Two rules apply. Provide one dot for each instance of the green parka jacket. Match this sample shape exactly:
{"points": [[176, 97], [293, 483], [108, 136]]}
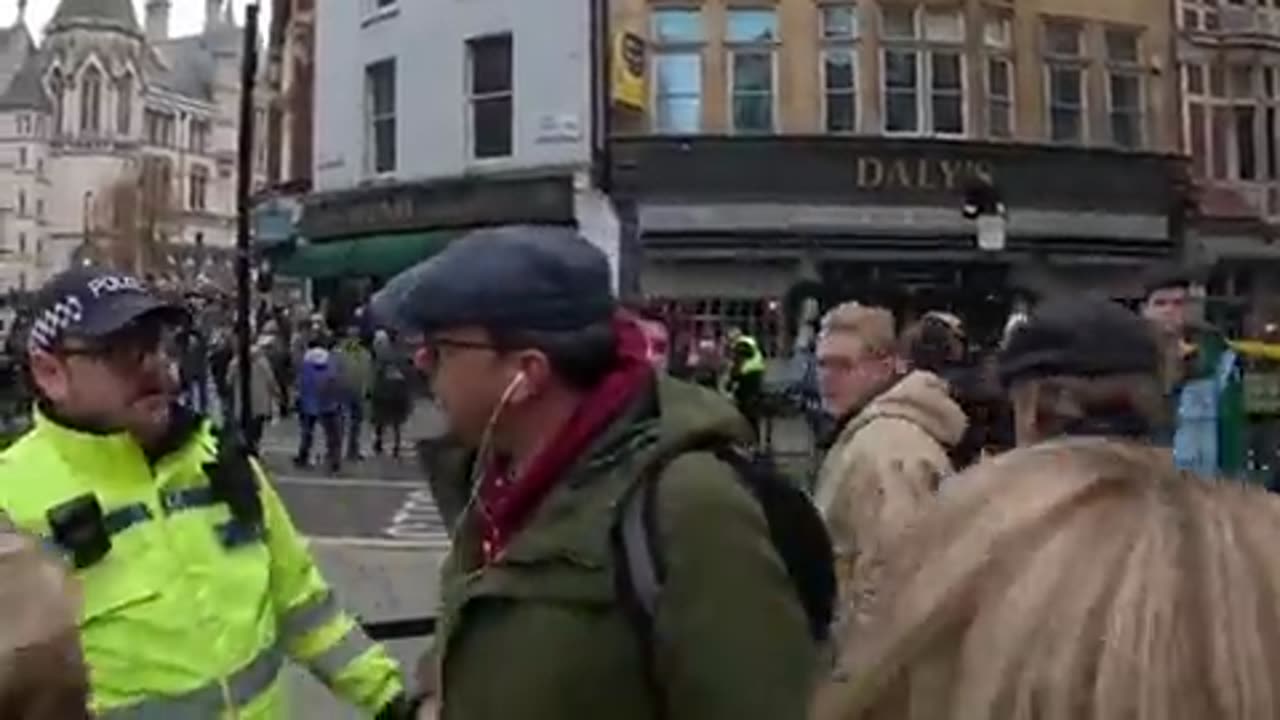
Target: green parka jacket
{"points": [[540, 634]]}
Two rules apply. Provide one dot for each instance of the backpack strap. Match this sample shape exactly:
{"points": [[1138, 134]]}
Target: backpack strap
{"points": [[640, 567]]}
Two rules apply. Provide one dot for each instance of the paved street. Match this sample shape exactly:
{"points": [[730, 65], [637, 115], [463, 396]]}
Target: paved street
{"points": [[376, 534]]}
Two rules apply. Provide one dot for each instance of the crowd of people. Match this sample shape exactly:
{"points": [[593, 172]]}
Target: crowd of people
{"points": [[622, 548]]}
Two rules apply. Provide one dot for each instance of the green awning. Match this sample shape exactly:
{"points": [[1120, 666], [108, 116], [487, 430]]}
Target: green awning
{"points": [[366, 256]]}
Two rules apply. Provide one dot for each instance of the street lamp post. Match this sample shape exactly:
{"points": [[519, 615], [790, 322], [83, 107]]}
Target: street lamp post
{"points": [[85, 210], [248, 73]]}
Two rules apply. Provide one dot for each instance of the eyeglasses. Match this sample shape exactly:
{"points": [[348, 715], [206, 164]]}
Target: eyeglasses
{"points": [[430, 349], [128, 347]]}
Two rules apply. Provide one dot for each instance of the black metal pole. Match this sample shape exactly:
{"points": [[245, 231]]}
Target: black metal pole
{"points": [[248, 73], [601, 52]]}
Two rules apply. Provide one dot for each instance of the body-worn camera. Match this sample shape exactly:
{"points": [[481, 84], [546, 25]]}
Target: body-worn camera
{"points": [[78, 526]]}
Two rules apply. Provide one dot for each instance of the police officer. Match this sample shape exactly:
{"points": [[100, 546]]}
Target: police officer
{"points": [[746, 376], [196, 584]]}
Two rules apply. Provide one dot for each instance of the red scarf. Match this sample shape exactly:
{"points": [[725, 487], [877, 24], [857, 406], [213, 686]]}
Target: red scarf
{"points": [[506, 503]]}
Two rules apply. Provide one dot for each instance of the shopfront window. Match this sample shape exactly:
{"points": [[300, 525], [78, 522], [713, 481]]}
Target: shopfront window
{"points": [[840, 68], [924, 88], [1124, 88], [997, 41], [676, 39], [1064, 68], [751, 36]]}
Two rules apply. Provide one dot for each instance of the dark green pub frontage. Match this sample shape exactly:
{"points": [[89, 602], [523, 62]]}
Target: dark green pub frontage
{"points": [[736, 231]]}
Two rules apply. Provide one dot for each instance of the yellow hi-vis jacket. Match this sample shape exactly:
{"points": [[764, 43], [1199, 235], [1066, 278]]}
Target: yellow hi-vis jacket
{"points": [[754, 362], [177, 622]]}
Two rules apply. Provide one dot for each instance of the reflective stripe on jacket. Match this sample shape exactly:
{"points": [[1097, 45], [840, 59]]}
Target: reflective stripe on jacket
{"points": [[754, 362], [176, 621]]}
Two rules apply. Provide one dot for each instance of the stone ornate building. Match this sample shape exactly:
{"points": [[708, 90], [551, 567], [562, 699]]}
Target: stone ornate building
{"points": [[103, 105]]}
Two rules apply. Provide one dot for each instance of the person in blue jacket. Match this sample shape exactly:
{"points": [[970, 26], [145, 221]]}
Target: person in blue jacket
{"points": [[320, 402]]}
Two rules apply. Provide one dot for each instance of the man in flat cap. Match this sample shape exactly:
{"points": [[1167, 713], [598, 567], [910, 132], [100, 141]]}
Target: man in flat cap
{"points": [[551, 390], [1083, 366]]}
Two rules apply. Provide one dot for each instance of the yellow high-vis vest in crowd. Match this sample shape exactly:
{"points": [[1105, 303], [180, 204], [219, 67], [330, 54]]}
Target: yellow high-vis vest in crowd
{"points": [[181, 620], [755, 361]]}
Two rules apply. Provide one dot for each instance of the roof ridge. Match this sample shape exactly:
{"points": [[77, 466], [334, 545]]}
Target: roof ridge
{"points": [[115, 13]]}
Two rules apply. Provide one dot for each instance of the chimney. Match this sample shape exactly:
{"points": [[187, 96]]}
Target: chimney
{"points": [[158, 20]]}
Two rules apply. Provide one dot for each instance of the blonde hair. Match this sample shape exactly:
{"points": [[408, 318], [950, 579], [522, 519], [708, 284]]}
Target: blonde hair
{"points": [[1083, 579], [873, 326]]}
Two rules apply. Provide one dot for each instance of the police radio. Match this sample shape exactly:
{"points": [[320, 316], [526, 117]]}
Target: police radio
{"points": [[79, 527]]}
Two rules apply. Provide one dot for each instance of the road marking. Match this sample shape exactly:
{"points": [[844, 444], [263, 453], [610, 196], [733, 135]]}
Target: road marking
{"points": [[418, 519], [322, 541], [347, 482]]}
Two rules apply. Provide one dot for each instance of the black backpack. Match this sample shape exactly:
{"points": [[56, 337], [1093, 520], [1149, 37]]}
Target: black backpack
{"points": [[796, 529]]}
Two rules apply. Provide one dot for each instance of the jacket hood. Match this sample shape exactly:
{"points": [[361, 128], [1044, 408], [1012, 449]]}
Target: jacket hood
{"points": [[689, 410], [921, 398]]}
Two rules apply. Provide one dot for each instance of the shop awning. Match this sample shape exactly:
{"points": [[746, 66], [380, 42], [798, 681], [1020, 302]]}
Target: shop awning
{"points": [[366, 256]]}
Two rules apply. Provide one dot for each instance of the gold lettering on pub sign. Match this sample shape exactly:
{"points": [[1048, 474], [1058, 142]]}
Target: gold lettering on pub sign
{"points": [[879, 173]]}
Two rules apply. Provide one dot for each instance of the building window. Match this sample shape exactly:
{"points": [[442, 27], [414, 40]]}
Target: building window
{"points": [[923, 71], [39, 208], [1246, 150], [751, 36], [22, 203], [22, 157], [840, 68], [23, 124], [1065, 68], [1124, 88], [1194, 79], [22, 243], [492, 96], [380, 116], [91, 100], [997, 39], [199, 188], [124, 105], [57, 98], [199, 130], [160, 128], [675, 35], [1269, 140]]}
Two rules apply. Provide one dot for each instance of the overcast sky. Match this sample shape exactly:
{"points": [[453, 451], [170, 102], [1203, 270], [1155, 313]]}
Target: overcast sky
{"points": [[187, 16]]}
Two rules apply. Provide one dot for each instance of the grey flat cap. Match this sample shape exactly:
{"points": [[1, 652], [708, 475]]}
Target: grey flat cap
{"points": [[516, 277]]}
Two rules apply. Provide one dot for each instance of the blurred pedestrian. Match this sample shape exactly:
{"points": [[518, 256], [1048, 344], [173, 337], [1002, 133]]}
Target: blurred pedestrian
{"points": [[1202, 376], [263, 392], [392, 395], [355, 363], [320, 402], [745, 381], [559, 411], [193, 367], [42, 670], [896, 425]]}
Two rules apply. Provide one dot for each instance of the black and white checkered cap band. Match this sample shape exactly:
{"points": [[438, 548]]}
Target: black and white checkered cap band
{"points": [[53, 322]]}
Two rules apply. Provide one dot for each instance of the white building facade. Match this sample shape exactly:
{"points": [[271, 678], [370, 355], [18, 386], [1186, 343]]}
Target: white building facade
{"points": [[416, 92], [103, 103]]}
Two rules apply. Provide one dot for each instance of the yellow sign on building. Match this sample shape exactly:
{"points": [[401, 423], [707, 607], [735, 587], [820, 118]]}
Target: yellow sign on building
{"points": [[629, 70]]}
